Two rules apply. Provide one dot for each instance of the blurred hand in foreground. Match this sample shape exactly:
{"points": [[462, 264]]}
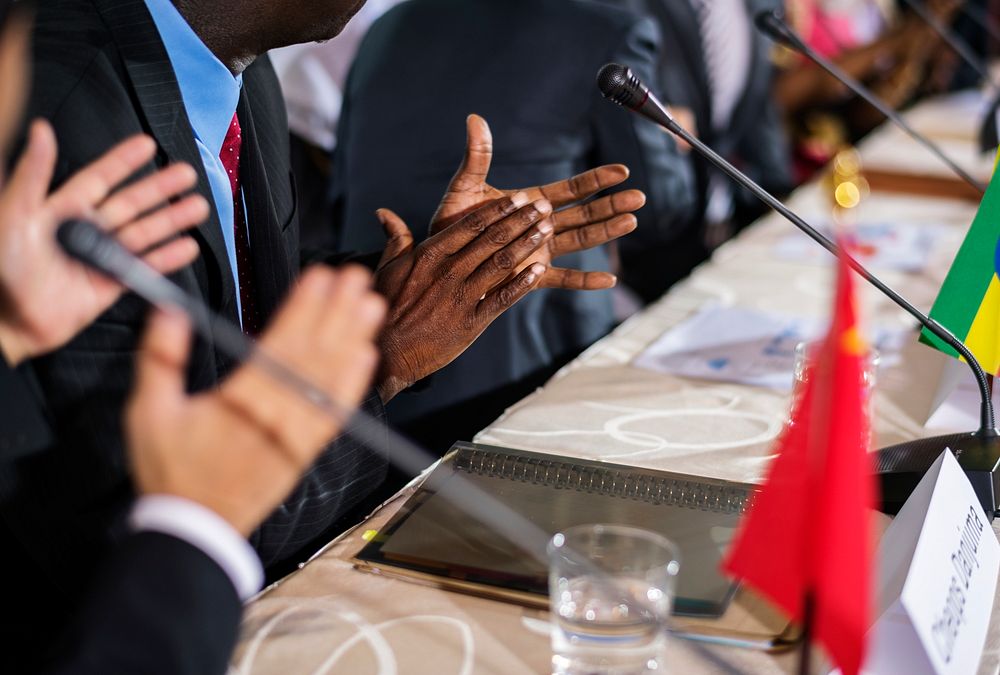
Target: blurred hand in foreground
{"points": [[239, 450]]}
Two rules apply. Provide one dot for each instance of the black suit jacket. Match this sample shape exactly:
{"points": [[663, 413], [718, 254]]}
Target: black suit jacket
{"points": [[23, 428], [101, 75], [528, 67], [161, 606]]}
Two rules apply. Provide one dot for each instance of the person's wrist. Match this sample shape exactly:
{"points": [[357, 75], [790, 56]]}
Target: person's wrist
{"points": [[394, 375], [236, 517]]}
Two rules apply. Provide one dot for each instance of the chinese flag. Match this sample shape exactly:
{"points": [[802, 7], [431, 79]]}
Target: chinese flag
{"points": [[807, 531]]}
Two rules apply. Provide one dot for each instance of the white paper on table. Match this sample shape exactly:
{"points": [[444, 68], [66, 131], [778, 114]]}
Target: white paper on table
{"points": [[904, 247], [741, 345]]}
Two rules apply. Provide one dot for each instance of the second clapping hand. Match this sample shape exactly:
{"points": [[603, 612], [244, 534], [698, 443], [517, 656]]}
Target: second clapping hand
{"points": [[48, 297]]}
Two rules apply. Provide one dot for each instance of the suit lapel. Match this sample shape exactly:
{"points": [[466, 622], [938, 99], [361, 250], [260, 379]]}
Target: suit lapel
{"points": [[271, 265], [159, 96]]}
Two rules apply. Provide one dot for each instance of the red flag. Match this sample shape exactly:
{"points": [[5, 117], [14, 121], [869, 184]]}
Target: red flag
{"points": [[807, 531]]}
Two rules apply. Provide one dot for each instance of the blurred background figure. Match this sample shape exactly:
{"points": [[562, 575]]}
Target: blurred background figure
{"points": [[312, 77], [886, 46], [528, 67], [715, 63]]}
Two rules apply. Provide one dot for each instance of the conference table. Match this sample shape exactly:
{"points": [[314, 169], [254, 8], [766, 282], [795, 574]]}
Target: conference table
{"points": [[329, 617]]}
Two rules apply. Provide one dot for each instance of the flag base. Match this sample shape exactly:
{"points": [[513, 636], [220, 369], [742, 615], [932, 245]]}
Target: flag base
{"points": [[900, 467]]}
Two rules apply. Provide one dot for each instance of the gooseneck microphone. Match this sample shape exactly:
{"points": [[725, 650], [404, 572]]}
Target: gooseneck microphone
{"points": [[951, 38], [901, 466], [770, 22], [88, 244]]}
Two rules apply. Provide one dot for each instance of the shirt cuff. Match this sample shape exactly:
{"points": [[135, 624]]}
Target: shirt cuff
{"points": [[205, 530]]}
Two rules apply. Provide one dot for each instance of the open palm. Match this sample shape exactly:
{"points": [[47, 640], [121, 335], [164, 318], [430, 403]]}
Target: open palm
{"points": [[46, 297]]}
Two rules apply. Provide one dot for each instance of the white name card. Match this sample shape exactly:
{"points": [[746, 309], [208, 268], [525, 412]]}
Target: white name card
{"points": [[938, 567]]}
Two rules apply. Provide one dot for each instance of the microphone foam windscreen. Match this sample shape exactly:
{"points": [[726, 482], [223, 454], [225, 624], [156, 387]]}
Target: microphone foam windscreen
{"points": [[618, 83]]}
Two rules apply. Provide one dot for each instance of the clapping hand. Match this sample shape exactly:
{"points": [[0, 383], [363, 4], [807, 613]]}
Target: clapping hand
{"points": [[241, 448], [45, 297], [577, 226], [487, 249]]}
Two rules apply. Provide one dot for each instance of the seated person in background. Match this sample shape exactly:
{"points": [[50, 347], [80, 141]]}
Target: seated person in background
{"points": [[312, 80], [715, 63], [823, 115], [210, 467], [189, 74], [529, 67]]}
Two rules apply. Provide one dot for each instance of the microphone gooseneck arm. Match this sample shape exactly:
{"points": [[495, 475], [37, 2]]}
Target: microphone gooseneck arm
{"points": [[772, 25], [618, 84], [957, 44]]}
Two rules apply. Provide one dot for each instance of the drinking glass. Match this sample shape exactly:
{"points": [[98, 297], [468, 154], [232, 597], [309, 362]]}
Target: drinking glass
{"points": [[805, 352], [611, 589]]}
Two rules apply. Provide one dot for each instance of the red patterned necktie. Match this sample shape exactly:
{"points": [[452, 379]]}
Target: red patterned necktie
{"points": [[230, 157]]}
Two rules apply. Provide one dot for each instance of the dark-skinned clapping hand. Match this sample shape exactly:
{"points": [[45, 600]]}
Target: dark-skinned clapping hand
{"points": [[487, 249]]}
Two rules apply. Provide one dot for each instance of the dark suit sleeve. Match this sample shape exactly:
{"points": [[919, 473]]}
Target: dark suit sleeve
{"points": [[23, 428], [657, 167], [161, 606]]}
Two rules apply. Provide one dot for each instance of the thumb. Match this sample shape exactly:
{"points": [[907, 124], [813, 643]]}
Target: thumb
{"points": [[162, 361], [399, 239], [478, 156], [33, 172]]}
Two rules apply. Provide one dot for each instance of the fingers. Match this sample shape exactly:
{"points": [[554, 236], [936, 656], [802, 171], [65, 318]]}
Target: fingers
{"points": [[471, 175], [502, 298], [92, 184], [163, 224], [604, 208], [351, 314], [503, 245], [465, 231], [356, 316], [504, 263], [589, 236], [132, 201], [299, 316], [162, 361], [33, 174], [577, 280], [325, 332], [399, 239], [581, 186], [173, 256]]}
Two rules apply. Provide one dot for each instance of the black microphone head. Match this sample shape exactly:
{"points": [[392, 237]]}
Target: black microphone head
{"points": [[771, 22], [619, 84], [78, 238], [89, 244]]}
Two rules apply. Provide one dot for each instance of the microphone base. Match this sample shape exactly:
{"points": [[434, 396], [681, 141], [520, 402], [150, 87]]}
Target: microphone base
{"points": [[901, 467]]}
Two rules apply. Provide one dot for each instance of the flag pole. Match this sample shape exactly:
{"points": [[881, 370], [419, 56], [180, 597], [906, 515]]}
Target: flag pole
{"points": [[809, 611]]}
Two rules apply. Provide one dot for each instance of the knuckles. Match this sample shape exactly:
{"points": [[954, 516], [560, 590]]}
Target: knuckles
{"points": [[504, 261]]}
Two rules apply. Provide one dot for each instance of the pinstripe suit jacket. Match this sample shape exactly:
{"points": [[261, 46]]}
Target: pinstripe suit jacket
{"points": [[101, 75]]}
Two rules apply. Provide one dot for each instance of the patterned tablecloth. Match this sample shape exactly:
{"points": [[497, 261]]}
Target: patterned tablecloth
{"points": [[330, 618]]}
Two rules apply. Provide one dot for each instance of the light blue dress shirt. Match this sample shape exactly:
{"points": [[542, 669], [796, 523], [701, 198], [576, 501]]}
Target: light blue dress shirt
{"points": [[211, 94]]}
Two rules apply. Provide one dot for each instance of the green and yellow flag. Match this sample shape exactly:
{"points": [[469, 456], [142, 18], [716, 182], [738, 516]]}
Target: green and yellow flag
{"points": [[969, 301]]}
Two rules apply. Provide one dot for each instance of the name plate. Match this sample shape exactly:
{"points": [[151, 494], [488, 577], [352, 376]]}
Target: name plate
{"points": [[938, 567]]}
